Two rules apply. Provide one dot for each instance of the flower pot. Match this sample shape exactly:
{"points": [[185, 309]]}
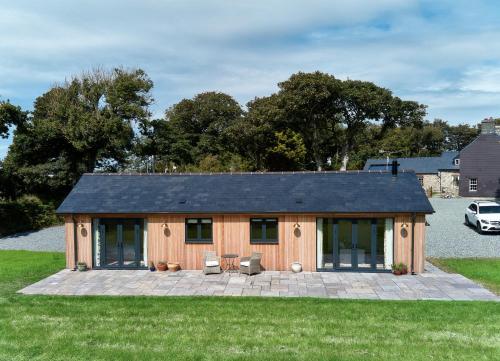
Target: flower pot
{"points": [[397, 273], [296, 267], [82, 267], [161, 267], [174, 266], [152, 268]]}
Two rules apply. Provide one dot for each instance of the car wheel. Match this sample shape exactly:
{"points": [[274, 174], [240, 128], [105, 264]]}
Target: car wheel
{"points": [[467, 223], [479, 230]]}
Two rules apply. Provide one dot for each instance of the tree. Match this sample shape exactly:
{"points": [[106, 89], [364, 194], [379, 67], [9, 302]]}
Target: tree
{"points": [[84, 124], [459, 136], [200, 126], [287, 152], [253, 134], [10, 115], [310, 106], [364, 102]]}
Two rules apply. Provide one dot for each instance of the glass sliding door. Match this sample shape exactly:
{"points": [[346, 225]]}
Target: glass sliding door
{"points": [[352, 244], [364, 243], [343, 238], [119, 243], [324, 249]]}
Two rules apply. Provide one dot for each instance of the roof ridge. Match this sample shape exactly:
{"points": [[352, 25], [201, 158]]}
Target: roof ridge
{"points": [[360, 171]]}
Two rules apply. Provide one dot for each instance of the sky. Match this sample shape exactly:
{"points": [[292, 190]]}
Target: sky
{"points": [[445, 54]]}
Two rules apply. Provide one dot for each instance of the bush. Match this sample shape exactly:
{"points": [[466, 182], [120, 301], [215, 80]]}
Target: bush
{"points": [[25, 214]]}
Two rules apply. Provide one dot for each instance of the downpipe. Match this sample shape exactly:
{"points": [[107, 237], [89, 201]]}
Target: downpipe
{"points": [[413, 219], [75, 243]]}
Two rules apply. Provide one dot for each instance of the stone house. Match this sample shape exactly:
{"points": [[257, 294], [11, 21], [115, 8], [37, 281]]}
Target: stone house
{"points": [[436, 174], [480, 163]]}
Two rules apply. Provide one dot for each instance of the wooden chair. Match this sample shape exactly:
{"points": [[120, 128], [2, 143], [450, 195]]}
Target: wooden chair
{"points": [[251, 265]]}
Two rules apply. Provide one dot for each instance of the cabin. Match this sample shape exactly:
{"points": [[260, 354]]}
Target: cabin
{"points": [[327, 221], [437, 175]]}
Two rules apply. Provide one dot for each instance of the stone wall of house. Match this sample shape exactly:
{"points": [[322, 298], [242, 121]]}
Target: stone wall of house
{"points": [[449, 182], [431, 181]]}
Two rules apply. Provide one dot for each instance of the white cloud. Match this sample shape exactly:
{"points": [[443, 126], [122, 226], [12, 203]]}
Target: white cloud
{"points": [[483, 79]]}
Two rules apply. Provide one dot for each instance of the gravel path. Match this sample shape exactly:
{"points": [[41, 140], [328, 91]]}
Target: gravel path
{"points": [[48, 239], [448, 236]]}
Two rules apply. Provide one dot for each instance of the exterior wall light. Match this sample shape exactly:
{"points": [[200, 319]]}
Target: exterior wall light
{"points": [[296, 225], [164, 225]]}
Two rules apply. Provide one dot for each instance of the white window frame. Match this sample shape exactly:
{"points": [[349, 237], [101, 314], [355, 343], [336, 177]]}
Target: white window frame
{"points": [[457, 161], [472, 184]]}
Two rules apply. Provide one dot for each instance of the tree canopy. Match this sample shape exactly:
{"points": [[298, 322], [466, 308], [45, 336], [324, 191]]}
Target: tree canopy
{"points": [[100, 121], [78, 126]]}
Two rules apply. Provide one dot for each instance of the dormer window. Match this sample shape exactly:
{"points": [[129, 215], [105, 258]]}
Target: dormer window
{"points": [[456, 161]]}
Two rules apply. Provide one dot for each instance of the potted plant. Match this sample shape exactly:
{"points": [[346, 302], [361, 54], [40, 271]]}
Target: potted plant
{"points": [[82, 266], [399, 269], [152, 267], [174, 266], [161, 266]]}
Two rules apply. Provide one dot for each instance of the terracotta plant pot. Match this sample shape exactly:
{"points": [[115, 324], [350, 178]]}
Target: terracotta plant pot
{"points": [[397, 273], [161, 266], [174, 266]]}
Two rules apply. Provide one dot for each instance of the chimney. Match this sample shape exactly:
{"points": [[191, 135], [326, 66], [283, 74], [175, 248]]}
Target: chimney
{"points": [[488, 126], [395, 168]]}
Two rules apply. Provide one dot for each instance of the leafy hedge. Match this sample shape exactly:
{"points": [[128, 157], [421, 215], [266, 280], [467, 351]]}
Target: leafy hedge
{"points": [[25, 214]]}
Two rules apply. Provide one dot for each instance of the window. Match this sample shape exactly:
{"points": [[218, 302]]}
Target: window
{"points": [[489, 210], [473, 185], [456, 180], [457, 161], [421, 180], [473, 207], [263, 230], [199, 230]]}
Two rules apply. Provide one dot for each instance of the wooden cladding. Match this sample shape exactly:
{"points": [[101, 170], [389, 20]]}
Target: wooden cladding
{"points": [[83, 226], [231, 234]]}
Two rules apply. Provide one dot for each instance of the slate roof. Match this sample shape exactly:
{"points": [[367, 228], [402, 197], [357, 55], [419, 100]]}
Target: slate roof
{"points": [[418, 164], [306, 192]]}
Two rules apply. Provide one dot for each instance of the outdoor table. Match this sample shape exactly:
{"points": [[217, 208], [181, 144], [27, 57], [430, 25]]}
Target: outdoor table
{"points": [[229, 262]]}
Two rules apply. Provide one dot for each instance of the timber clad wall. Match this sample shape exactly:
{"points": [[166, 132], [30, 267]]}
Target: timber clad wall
{"points": [[231, 234], [84, 240]]}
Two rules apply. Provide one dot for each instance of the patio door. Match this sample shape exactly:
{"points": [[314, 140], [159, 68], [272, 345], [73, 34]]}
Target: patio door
{"points": [[121, 243], [363, 244]]}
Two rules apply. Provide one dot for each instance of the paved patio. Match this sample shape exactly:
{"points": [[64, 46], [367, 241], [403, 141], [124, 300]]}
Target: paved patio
{"points": [[433, 284]]}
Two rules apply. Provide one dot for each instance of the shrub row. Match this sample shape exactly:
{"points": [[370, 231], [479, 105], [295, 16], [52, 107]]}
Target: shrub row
{"points": [[25, 214]]}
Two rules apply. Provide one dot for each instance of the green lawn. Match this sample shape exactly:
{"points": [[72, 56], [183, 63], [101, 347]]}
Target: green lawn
{"points": [[148, 328], [483, 270]]}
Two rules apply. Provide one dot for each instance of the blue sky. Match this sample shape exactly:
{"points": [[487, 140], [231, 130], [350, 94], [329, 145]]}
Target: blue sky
{"points": [[445, 54]]}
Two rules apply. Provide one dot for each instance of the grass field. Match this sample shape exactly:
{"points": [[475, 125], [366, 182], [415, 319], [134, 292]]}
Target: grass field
{"points": [[483, 270], [149, 328]]}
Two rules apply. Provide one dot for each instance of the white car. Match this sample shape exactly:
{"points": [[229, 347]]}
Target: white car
{"points": [[483, 215]]}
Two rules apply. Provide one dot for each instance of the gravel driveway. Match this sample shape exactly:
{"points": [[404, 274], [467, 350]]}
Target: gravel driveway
{"points": [[448, 236], [48, 239]]}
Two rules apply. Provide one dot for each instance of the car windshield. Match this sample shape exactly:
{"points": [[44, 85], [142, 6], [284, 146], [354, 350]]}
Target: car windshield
{"points": [[489, 209]]}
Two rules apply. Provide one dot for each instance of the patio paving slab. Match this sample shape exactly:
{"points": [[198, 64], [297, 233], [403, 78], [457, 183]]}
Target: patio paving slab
{"points": [[433, 284]]}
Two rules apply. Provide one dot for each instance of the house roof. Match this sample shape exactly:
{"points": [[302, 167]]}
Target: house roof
{"points": [[418, 164], [307, 192]]}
